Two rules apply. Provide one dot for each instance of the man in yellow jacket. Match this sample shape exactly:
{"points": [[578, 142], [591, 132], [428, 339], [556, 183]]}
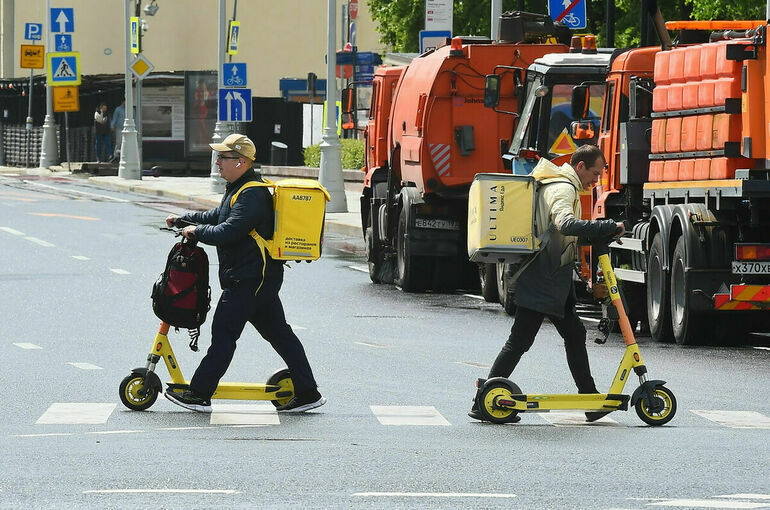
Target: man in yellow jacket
{"points": [[545, 287]]}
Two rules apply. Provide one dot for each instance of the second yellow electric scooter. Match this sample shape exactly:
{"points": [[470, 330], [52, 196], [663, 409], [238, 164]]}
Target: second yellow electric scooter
{"points": [[500, 400]]}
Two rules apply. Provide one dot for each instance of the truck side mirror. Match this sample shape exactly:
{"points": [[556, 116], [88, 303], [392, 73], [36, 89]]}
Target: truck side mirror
{"points": [[580, 102], [491, 91], [583, 130]]}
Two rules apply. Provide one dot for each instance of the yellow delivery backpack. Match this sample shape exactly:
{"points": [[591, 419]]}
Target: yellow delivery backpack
{"points": [[299, 206]]}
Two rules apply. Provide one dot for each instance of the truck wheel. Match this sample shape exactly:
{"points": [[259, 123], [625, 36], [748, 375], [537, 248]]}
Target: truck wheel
{"points": [[412, 271], [689, 328], [380, 267], [658, 310], [488, 281]]}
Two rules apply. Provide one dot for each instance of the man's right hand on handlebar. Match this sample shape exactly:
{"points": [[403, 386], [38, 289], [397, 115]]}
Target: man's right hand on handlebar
{"points": [[171, 220]]}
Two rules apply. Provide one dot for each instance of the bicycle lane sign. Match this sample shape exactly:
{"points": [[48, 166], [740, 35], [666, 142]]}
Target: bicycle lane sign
{"points": [[570, 12]]}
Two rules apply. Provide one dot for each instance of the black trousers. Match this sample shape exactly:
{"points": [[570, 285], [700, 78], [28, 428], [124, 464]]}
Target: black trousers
{"points": [[526, 324], [236, 307]]}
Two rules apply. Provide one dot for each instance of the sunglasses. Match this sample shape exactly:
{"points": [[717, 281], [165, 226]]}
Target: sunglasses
{"points": [[219, 156]]}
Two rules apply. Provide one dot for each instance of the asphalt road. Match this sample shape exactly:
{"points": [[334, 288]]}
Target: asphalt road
{"points": [[78, 264]]}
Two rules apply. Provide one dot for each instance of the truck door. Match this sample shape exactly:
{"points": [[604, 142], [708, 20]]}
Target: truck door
{"points": [[371, 131]]}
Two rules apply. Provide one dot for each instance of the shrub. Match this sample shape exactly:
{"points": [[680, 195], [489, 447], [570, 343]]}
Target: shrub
{"points": [[352, 154]]}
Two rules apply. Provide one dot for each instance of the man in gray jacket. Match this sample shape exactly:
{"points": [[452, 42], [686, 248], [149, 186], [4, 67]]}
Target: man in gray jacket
{"points": [[545, 287]]}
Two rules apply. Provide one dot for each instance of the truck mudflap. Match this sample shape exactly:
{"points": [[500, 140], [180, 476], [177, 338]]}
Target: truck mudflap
{"points": [[744, 297]]}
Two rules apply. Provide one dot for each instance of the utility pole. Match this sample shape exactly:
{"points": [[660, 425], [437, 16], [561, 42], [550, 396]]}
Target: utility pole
{"points": [[330, 174], [221, 129], [129, 148], [497, 11], [49, 149]]}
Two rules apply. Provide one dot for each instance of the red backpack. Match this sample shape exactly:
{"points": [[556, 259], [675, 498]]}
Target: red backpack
{"points": [[181, 296]]}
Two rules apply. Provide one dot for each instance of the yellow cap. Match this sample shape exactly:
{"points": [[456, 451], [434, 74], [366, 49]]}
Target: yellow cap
{"points": [[236, 143]]}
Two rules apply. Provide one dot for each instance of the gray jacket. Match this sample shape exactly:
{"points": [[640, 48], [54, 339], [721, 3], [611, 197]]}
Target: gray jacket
{"points": [[546, 283]]}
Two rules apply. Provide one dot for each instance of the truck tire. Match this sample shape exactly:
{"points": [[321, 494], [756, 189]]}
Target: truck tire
{"points": [[658, 285], [688, 327], [488, 281], [413, 273]]}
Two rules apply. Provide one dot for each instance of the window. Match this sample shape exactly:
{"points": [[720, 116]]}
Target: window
{"points": [[373, 104], [607, 115]]}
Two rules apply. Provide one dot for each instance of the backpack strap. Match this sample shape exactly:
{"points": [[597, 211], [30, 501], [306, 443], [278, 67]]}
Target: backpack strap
{"points": [[261, 243]]}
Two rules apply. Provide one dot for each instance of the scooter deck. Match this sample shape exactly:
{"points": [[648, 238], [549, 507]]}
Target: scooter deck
{"points": [[553, 402], [240, 391]]}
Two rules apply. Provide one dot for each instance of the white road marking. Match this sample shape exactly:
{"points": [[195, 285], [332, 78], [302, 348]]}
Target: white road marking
{"points": [[473, 364], [76, 191], [26, 345], [244, 414], [84, 365], [474, 296], [762, 348], [360, 268], [708, 503], [745, 496], [80, 257], [72, 413], [42, 243], [371, 344], [296, 328], [409, 415], [12, 231], [162, 491], [575, 419], [119, 271], [102, 432], [45, 435], [433, 495], [185, 428], [737, 419]]}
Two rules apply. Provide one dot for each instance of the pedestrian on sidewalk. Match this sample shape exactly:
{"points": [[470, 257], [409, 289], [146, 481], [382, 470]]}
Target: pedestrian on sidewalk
{"points": [[102, 133], [116, 126], [247, 295], [545, 287]]}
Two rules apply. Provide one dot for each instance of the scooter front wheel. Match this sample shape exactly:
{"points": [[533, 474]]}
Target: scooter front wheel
{"points": [[132, 396], [282, 378], [495, 390], [661, 410]]}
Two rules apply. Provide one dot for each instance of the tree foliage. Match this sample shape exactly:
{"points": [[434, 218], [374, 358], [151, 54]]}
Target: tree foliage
{"points": [[400, 21]]}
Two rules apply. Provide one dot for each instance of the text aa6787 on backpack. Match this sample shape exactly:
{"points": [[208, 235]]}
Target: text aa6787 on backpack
{"points": [[181, 296]]}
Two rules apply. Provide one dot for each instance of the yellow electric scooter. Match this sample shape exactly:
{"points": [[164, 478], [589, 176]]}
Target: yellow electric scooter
{"points": [[500, 400], [139, 390]]}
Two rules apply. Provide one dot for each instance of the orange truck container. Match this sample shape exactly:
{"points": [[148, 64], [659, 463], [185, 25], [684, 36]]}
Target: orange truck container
{"points": [[690, 175], [428, 135]]}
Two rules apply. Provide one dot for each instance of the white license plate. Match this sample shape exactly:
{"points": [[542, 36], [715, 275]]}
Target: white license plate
{"points": [[751, 267], [437, 223]]}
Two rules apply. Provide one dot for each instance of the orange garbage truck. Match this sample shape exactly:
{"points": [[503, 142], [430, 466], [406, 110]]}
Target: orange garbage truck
{"points": [[684, 133], [428, 135]]}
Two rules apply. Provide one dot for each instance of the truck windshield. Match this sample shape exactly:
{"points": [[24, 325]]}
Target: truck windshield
{"points": [[560, 118], [525, 136]]}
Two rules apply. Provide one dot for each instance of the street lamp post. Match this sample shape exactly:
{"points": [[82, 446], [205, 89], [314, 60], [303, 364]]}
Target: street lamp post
{"points": [[129, 148], [221, 129], [49, 149], [330, 174]]}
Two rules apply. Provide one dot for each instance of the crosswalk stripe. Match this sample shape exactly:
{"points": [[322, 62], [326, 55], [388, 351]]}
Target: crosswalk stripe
{"points": [[12, 231], [40, 242], [736, 419], [244, 414], [708, 503], [84, 365], [80, 257], [74, 413], [409, 415], [119, 271], [575, 419], [26, 345]]}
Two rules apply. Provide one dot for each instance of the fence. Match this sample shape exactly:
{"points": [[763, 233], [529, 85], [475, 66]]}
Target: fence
{"points": [[14, 140]]}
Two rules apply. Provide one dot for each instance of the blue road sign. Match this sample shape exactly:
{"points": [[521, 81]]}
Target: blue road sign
{"points": [[432, 39], [570, 12], [62, 19], [33, 31], [63, 42], [235, 105], [234, 74]]}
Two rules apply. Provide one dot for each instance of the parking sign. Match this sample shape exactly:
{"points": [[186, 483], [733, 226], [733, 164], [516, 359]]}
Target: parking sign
{"points": [[33, 31]]}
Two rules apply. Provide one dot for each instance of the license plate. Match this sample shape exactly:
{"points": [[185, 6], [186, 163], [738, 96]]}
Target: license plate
{"points": [[437, 223], [751, 267]]}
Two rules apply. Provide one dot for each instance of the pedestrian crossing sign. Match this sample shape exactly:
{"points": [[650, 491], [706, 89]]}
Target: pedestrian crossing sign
{"points": [[64, 68]]}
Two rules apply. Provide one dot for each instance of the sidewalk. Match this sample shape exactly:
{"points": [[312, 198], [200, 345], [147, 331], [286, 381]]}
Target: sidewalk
{"points": [[198, 190]]}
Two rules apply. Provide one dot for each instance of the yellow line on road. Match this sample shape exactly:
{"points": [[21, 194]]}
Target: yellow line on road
{"points": [[58, 215]]}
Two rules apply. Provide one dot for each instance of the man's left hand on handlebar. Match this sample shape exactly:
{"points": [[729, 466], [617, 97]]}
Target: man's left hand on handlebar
{"points": [[171, 220], [189, 232]]}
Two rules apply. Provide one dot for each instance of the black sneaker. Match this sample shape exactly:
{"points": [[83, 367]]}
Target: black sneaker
{"points": [[190, 400], [303, 402], [592, 416]]}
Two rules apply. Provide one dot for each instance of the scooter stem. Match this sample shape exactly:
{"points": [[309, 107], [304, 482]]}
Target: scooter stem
{"points": [[612, 285]]}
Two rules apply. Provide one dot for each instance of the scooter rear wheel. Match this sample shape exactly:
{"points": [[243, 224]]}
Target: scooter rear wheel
{"points": [[660, 411], [493, 391], [282, 378], [129, 389]]}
